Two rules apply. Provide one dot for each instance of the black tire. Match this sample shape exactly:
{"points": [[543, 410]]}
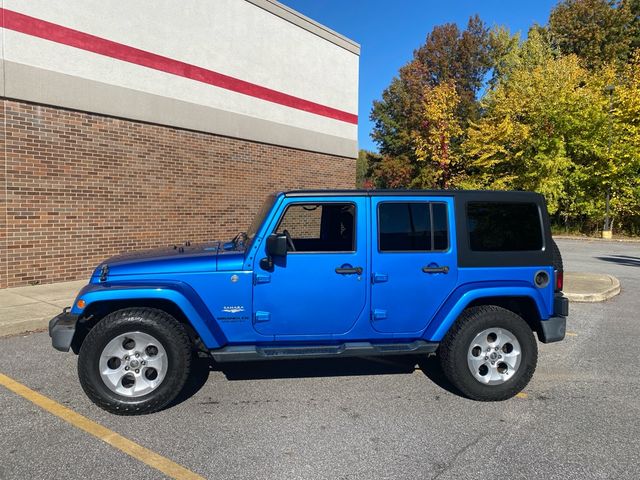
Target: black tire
{"points": [[157, 323], [455, 347], [557, 257]]}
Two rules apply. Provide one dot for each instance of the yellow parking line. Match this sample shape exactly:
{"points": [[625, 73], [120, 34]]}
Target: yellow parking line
{"points": [[114, 439], [522, 395], [571, 334]]}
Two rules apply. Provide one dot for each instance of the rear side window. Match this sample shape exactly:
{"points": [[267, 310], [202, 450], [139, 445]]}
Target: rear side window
{"points": [[412, 227], [504, 227]]}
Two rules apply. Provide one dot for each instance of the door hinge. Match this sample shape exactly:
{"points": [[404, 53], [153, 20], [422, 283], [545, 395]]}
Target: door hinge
{"points": [[379, 278], [378, 314], [261, 317], [261, 278]]}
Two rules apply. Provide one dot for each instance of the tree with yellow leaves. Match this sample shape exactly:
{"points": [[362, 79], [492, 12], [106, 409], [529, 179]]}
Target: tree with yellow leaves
{"points": [[554, 127], [624, 156], [432, 141], [557, 113], [539, 123]]}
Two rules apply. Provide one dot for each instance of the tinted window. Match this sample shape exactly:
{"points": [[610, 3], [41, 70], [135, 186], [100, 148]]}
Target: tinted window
{"points": [[504, 227], [320, 227], [407, 227], [440, 226]]}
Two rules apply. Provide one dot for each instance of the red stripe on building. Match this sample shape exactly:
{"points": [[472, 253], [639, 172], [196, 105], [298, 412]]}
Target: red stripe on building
{"points": [[85, 41]]}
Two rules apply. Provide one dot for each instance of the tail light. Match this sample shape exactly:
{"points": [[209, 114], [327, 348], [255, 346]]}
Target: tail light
{"points": [[559, 280]]}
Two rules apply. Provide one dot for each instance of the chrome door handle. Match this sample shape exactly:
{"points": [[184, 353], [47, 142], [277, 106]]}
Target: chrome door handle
{"points": [[444, 269]]}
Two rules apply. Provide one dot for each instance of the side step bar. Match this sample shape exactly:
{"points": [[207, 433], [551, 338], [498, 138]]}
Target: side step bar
{"points": [[240, 353]]}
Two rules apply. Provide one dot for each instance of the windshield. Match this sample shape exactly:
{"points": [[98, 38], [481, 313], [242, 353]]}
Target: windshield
{"points": [[259, 218]]}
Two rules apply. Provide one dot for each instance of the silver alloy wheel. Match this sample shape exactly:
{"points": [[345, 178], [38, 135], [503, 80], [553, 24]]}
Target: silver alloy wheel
{"points": [[133, 364], [494, 356]]}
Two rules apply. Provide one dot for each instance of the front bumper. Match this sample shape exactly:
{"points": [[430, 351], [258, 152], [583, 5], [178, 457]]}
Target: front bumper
{"points": [[62, 328]]}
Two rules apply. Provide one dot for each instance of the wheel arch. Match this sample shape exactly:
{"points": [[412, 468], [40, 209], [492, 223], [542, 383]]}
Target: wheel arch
{"points": [[523, 306], [184, 306], [96, 311], [523, 300]]}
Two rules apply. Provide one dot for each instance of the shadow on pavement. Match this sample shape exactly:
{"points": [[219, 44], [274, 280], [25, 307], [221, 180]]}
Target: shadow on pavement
{"points": [[200, 369], [332, 367], [430, 366], [625, 260]]}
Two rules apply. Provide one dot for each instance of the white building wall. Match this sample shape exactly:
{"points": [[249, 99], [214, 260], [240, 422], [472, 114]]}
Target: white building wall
{"points": [[169, 62]]}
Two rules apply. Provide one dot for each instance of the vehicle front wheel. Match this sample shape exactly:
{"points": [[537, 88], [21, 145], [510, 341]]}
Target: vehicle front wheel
{"points": [[489, 354], [134, 361]]}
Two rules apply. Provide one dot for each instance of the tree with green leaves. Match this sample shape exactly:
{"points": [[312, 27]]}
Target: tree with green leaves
{"points": [[509, 53], [633, 9], [362, 168], [623, 172], [597, 31], [533, 121], [553, 128]]}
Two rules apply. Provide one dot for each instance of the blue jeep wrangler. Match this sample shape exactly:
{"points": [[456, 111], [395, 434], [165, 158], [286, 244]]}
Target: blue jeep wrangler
{"points": [[466, 275]]}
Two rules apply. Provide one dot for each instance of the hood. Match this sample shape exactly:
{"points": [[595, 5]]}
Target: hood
{"points": [[183, 259]]}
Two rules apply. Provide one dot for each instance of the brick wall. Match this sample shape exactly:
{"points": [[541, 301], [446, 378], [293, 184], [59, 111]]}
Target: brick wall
{"points": [[81, 187], [3, 204]]}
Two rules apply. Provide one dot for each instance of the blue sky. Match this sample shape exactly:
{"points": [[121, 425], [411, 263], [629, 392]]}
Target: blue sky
{"points": [[389, 31]]}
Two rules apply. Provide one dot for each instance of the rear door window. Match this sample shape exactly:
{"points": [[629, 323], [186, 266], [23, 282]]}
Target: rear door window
{"points": [[412, 227], [504, 227]]}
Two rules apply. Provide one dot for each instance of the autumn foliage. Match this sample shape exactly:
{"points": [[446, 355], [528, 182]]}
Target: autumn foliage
{"points": [[557, 112]]}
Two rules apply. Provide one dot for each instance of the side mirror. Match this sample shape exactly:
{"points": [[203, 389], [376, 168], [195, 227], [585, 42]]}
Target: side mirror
{"points": [[277, 245]]}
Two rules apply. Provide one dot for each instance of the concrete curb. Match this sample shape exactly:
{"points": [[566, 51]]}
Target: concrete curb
{"points": [[24, 327], [26, 324], [609, 287], [596, 239]]}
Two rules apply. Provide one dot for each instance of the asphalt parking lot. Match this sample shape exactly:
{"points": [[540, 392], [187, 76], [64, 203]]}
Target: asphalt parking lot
{"points": [[361, 418]]}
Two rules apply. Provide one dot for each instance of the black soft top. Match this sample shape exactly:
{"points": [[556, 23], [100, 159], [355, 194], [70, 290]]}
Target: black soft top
{"points": [[502, 195]]}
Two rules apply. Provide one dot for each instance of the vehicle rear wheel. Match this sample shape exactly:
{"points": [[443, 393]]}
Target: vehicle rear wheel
{"points": [[134, 361], [489, 354]]}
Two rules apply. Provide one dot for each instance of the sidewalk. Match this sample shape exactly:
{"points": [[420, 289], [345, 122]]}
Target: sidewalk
{"points": [[590, 287], [26, 309]]}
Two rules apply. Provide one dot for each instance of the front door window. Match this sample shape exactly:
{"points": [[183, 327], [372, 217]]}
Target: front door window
{"points": [[318, 227]]}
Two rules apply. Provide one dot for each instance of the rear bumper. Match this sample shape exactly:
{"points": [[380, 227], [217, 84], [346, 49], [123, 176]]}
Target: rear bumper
{"points": [[560, 305], [62, 328]]}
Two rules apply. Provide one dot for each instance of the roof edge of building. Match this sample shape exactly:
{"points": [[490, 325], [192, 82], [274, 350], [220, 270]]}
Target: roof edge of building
{"points": [[302, 21]]}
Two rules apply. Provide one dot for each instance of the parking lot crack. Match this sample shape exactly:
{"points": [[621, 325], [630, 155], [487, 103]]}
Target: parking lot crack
{"points": [[444, 468]]}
